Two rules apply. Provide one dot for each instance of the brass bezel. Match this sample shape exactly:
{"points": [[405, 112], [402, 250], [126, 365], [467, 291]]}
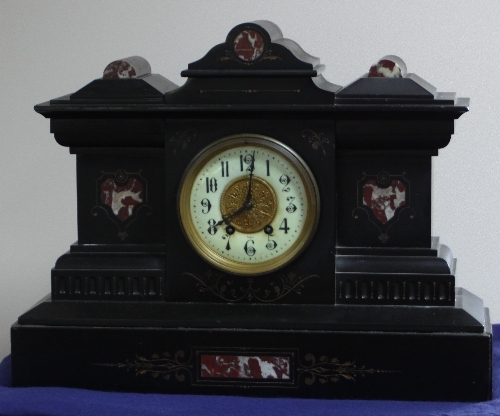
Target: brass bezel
{"points": [[214, 258]]}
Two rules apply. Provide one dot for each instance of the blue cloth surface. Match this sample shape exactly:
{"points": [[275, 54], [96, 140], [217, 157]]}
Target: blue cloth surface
{"points": [[67, 402]]}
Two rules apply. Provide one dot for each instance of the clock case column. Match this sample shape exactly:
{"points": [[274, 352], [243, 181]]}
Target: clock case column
{"points": [[116, 130], [387, 132]]}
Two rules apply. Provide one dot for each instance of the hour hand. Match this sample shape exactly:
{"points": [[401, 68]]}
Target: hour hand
{"points": [[226, 218]]}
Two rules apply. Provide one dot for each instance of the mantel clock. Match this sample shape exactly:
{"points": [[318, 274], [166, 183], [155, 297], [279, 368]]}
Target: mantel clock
{"points": [[257, 230]]}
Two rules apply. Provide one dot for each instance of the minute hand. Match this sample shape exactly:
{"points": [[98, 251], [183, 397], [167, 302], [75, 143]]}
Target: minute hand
{"points": [[249, 193], [247, 205]]}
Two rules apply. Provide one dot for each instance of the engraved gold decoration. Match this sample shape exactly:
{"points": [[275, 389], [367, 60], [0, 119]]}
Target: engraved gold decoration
{"points": [[317, 140], [264, 204], [230, 56], [175, 368], [326, 369], [156, 366], [241, 289], [181, 140]]}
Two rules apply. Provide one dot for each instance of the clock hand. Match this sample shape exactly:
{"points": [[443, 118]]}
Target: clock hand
{"points": [[247, 205], [252, 167], [226, 218]]}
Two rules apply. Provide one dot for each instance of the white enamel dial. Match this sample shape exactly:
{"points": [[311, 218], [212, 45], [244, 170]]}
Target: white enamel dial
{"points": [[248, 204]]}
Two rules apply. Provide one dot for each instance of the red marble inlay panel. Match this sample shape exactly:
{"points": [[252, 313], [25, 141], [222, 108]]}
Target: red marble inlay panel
{"points": [[248, 45], [122, 199], [244, 366], [384, 201]]}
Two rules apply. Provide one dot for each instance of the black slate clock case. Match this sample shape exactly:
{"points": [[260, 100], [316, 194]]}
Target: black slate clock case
{"points": [[368, 310]]}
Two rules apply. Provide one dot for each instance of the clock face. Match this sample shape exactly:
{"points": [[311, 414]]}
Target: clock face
{"points": [[248, 204]]}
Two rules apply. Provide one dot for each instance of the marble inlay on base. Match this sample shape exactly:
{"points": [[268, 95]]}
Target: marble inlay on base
{"points": [[242, 366]]}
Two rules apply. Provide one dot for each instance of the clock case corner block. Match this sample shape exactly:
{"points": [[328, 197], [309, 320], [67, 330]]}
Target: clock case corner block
{"points": [[368, 311]]}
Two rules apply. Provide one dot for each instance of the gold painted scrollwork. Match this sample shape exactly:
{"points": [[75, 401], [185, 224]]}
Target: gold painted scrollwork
{"points": [[238, 289], [230, 56], [164, 366], [181, 140], [318, 141], [325, 369]]}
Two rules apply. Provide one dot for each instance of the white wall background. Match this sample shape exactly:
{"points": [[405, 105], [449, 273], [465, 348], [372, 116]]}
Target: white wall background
{"points": [[53, 47]]}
